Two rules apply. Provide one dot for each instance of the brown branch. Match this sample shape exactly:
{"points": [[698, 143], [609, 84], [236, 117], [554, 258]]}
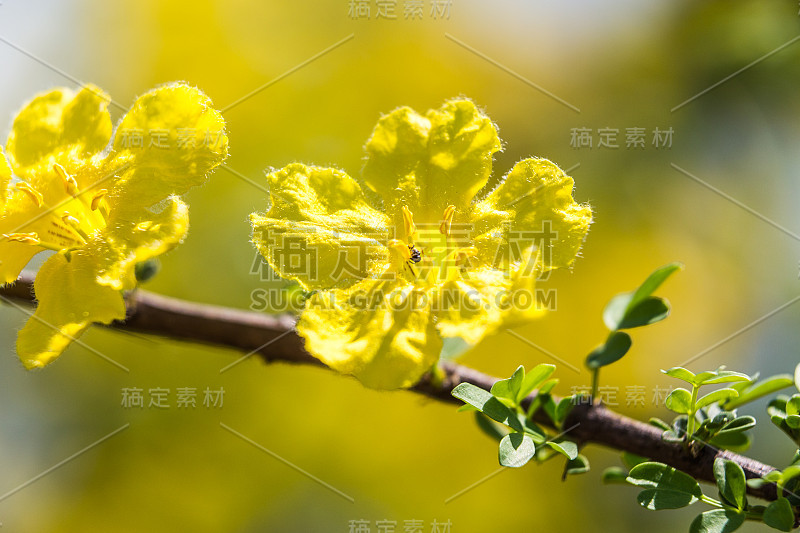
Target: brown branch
{"points": [[274, 339]]}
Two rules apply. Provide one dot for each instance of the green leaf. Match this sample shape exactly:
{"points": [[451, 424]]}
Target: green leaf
{"points": [[680, 373], [653, 282], [533, 378], [614, 312], [679, 401], [467, 408], [735, 441], [706, 378], [649, 311], [717, 396], [658, 499], [779, 515], [759, 390], [739, 424], [548, 386], [617, 344], [659, 476], [619, 314], [487, 404], [567, 448], [657, 422], [793, 405], [717, 521], [515, 450], [488, 427], [579, 465], [777, 407], [789, 473], [724, 376], [509, 388], [563, 408], [614, 475], [731, 482]]}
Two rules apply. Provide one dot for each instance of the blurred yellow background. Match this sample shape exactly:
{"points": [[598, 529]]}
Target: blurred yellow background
{"points": [[623, 64]]}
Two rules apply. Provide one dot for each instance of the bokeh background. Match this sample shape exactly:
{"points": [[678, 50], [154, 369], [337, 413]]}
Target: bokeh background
{"points": [[622, 63]]}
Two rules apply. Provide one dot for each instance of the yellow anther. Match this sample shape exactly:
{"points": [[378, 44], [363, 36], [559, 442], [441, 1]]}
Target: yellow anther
{"points": [[70, 185], [25, 238], [447, 220], [97, 198], [409, 226], [401, 248], [70, 220], [34, 195], [75, 224]]}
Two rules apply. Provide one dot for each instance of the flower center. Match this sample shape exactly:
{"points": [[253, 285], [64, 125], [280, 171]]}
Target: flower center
{"points": [[66, 225], [431, 254]]}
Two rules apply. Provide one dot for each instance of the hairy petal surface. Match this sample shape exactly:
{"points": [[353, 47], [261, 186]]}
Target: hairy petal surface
{"points": [[381, 332], [169, 142], [70, 299], [533, 206], [429, 162], [320, 230]]}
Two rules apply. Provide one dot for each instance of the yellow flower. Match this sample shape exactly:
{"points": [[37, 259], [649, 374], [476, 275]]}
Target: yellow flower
{"points": [[435, 261], [101, 208]]}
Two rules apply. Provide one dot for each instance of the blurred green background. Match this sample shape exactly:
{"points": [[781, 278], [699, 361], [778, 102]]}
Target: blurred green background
{"points": [[624, 64]]}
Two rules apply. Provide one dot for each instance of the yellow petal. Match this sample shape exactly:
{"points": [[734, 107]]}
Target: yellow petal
{"points": [[172, 138], [380, 332], [472, 306], [427, 163], [59, 121], [128, 242], [21, 215], [523, 301], [13, 258], [70, 299], [320, 231], [5, 179], [532, 206]]}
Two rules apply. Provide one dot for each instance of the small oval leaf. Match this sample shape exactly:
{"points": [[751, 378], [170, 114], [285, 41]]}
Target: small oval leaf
{"points": [[717, 396], [660, 476], [566, 448], [533, 379], [779, 515], [680, 373], [649, 311], [515, 450], [615, 347], [759, 390], [679, 401], [579, 465], [717, 521], [731, 482]]}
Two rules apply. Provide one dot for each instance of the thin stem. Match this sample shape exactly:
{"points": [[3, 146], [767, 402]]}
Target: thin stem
{"points": [[595, 383], [692, 421]]}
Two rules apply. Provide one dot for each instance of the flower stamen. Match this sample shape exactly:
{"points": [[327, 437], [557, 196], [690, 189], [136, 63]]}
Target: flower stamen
{"points": [[70, 185], [34, 195], [447, 220], [75, 224], [409, 226]]}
